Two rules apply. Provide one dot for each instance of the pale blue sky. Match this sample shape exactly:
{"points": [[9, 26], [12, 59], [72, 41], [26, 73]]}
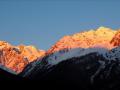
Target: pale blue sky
{"points": [[42, 23]]}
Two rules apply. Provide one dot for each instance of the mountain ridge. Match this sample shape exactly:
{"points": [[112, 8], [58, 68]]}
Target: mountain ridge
{"points": [[87, 60], [86, 39], [18, 57]]}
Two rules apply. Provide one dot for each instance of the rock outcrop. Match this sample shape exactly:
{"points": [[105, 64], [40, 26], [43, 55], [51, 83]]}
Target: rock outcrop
{"points": [[116, 39], [31, 52]]}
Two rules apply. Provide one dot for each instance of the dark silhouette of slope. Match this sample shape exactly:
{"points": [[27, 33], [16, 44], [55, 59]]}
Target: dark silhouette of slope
{"points": [[90, 71], [4, 75], [79, 72]]}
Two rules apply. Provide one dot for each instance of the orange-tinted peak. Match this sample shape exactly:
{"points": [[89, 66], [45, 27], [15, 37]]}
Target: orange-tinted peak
{"points": [[100, 37], [17, 57]]}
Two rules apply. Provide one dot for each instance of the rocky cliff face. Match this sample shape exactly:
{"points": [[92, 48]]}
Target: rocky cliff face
{"points": [[17, 57], [93, 38], [116, 39]]}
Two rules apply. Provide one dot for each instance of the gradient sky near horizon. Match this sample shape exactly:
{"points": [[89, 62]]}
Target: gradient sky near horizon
{"points": [[42, 23]]}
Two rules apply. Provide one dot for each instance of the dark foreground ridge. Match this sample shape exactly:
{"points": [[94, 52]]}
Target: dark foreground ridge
{"points": [[83, 72], [87, 72], [4, 75]]}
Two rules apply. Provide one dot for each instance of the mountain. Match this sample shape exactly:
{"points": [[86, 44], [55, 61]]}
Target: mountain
{"points": [[17, 57], [78, 44], [87, 60]]}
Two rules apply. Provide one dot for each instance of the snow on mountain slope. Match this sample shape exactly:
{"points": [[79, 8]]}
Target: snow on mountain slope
{"points": [[56, 58], [89, 69], [96, 67], [78, 52], [113, 54]]}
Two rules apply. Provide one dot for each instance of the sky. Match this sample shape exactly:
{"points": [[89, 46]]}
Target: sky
{"points": [[42, 23]]}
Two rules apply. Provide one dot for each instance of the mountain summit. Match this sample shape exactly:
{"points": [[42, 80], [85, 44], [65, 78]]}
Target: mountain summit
{"points": [[92, 38]]}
